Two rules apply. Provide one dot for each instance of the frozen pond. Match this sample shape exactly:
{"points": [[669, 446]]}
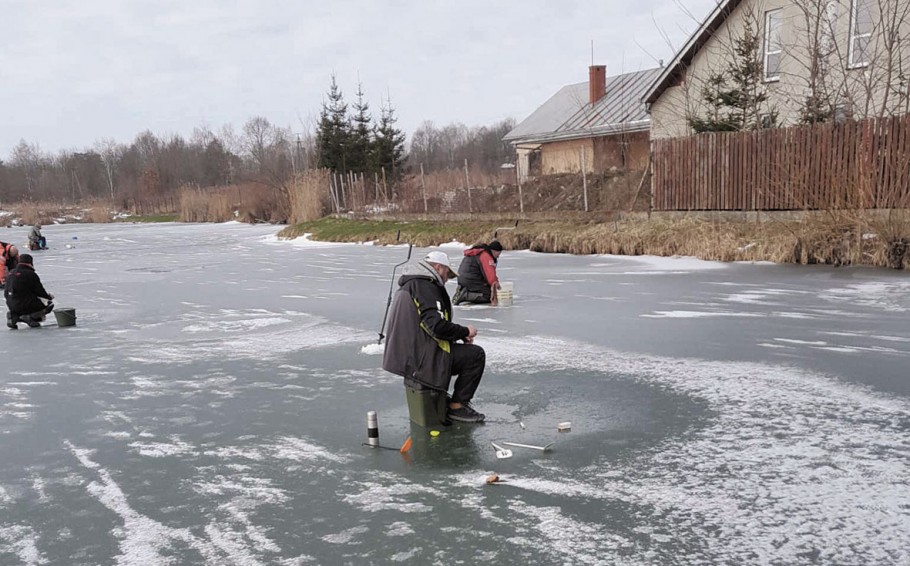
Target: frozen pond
{"points": [[209, 408]]}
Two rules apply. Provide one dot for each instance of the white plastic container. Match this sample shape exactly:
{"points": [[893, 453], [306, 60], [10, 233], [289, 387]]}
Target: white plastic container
{"points": [[504, 295]]}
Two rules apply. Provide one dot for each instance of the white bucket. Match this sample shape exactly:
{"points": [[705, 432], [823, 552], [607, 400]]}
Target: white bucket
{"points": [[504, 295]]}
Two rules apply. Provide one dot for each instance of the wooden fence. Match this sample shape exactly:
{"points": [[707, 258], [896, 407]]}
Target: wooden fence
{"points": [[853, 164]]}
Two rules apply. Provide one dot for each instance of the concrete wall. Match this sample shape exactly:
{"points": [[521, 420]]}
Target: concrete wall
{"points": [[871, 90]]}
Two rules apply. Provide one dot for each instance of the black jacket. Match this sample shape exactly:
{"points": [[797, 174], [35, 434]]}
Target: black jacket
{"points": [[24, 289], [419, 341]]}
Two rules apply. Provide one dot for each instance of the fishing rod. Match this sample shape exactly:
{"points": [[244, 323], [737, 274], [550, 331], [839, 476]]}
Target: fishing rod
{"points": [[391, 288], [496, 232]]}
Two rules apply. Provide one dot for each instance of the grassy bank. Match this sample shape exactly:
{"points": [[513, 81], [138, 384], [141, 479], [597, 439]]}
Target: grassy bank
{"points": [[832, 240], [150, 218]]}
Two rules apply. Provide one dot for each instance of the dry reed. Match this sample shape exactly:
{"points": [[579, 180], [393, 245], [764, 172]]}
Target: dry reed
{"points": [[246, 203], [308, 195], [813, 241]]}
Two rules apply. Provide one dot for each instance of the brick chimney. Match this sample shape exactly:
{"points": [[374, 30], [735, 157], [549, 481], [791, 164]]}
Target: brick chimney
{"points": [[597, 82]]}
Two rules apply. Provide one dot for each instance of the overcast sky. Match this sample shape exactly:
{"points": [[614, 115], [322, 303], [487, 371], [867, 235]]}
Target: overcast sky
{"points": [[72, 72]]}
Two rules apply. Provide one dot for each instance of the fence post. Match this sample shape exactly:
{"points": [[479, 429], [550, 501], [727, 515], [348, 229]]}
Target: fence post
{"points": [[332, 192], [584, 176], [423, 186], [344, 198], [467, 184], [376, 186]]}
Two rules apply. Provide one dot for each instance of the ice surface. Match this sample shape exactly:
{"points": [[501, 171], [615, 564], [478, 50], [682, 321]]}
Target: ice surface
{"points": [[210, 405]]}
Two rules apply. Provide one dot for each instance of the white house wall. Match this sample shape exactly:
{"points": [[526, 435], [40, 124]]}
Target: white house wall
{"points": [[860, 91]]}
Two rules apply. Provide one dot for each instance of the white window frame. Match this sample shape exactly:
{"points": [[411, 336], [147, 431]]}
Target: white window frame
{"points": [[780, 47], [854, 12]]}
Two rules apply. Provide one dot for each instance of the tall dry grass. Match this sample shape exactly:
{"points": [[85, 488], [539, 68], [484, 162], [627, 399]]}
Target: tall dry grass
{"points": [[205, 205], [246, 203], [882, 241], [97, 213], [308, 195], [46, 212], [30, 212]]}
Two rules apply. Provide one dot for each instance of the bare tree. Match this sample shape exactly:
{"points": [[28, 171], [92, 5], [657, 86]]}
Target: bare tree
{"points": [[27, 158], [110, 152], [269, 148]]}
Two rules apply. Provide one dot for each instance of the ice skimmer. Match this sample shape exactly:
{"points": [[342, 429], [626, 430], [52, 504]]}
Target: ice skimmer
{"points": [[501, 452]]}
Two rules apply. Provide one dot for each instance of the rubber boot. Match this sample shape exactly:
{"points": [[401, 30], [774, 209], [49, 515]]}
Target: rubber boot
{"points": [[33, 320]]}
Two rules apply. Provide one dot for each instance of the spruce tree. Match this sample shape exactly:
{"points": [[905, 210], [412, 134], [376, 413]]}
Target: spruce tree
{"points": [[389, 142], [360, 158], [736, 97], [333, 133]]}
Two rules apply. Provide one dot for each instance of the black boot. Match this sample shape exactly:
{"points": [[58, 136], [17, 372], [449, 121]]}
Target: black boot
{"points": [[9, 321], [30, 320]]}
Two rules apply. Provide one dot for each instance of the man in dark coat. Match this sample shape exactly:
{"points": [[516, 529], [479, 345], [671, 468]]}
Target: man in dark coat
{"points": [[422, 342], [23, 294], [477, 279]]}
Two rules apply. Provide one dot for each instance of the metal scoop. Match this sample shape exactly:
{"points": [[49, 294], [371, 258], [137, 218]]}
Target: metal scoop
{"points": [[545, 448], [501, 452]]}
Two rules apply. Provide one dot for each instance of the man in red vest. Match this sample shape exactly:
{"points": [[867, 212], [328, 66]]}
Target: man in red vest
{"points": [[9, 257]]}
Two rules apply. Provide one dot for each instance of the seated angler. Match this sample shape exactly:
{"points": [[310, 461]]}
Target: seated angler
{"points": [[425, 346], [36, 241]]}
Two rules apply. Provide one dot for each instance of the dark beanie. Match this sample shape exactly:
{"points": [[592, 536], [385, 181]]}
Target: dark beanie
{"points": [[25, 258], [496, 246]]}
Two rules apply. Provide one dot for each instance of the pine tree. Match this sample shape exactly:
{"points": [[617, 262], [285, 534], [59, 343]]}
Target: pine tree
{"points": [[361, 159], [389, 142], [333, 133]]}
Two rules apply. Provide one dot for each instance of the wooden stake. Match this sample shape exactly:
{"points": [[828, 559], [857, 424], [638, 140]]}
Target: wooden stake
{"points": [[584, 177], [467, 184], [423, 186], [521, 200]]}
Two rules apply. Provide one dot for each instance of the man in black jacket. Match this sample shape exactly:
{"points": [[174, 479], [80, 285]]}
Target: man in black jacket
{"points": [[421, 344], [23, 294]]}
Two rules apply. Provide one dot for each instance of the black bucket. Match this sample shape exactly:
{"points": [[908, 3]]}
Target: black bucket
{"points": [[65, 317]]}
